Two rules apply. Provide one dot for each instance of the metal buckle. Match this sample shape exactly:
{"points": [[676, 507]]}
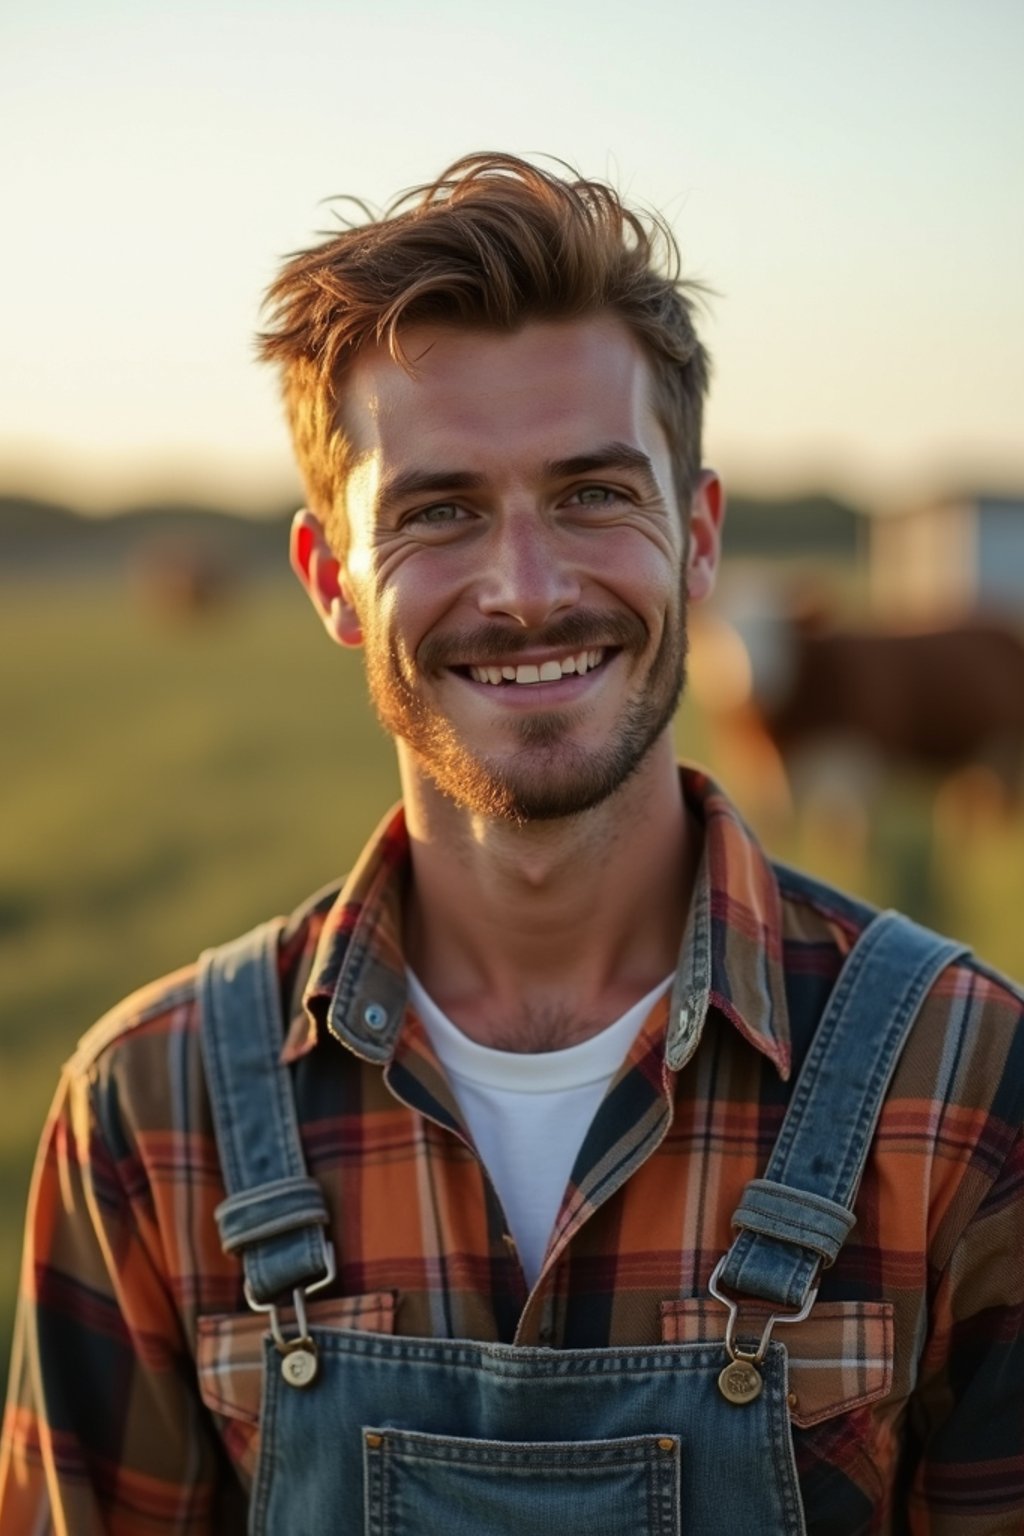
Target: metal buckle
{"points": [[298, 1302], [736, 1351]]}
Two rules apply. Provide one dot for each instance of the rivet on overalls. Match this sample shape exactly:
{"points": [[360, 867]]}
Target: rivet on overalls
{"points": [[666, 1444], [373, 1440], [740, 1382], [299, 1364]]}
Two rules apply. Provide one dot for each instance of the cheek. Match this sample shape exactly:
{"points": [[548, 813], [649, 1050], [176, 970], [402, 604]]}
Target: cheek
{"points": [[401, 612], [644, 572], [427, 584]]}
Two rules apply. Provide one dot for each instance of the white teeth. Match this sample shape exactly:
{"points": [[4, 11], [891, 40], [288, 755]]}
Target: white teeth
{"points": [[546, 672]]}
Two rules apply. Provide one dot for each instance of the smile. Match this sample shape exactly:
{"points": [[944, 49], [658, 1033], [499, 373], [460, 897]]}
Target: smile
{"points": [[527, 673]]}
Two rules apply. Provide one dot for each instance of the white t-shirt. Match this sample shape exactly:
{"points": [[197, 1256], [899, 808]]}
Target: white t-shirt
{"points": [[529, 1114]]}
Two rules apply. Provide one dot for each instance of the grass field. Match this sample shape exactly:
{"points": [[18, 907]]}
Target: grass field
{"points": [[166, 784]]}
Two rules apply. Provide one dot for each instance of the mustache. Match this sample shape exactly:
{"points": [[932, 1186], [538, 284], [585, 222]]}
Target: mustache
{"points": [[487, 643]]}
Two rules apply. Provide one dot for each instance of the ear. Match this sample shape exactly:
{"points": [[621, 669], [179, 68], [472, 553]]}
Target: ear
{"points": [[707, 511], [319, 570]]}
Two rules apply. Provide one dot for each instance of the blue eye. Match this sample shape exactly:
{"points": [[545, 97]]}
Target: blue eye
{"points": [[596, 495], [437, 516]]}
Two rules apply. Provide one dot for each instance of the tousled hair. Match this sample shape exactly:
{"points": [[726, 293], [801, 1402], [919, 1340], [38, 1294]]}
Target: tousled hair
{"points": [[492, 243]]}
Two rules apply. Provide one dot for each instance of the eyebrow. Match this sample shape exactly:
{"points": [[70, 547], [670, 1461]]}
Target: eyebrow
{"points": [[421, 482], [610, 456]]}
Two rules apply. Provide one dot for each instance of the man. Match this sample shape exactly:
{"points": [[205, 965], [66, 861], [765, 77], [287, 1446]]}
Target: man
{"points": [[479, 1196]]}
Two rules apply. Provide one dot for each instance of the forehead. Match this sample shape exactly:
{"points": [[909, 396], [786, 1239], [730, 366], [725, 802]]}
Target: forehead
{"points": [[478, 399]]}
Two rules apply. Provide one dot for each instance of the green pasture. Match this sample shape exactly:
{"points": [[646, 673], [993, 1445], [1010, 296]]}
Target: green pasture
{"points": [[166, 783]]}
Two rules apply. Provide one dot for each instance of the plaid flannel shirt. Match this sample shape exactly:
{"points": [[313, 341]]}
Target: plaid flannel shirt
{"points": [[134, 1403]]}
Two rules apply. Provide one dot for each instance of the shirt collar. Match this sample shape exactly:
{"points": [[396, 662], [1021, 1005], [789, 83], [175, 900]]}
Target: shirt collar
{"points": [[730, 957]]}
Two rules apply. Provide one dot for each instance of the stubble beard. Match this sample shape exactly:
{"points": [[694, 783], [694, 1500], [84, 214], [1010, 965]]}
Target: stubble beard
{"points": [[549, 776]]}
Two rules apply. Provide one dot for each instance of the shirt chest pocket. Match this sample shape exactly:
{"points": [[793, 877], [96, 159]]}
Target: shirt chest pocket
{"points": [[229, 1363], [840, 1357]]}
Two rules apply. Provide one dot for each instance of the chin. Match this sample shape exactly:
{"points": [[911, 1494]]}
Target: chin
{"points": [[561, 781], [545, 775]]}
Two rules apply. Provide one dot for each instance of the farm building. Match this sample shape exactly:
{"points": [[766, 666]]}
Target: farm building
{"points": [[955, 556]]}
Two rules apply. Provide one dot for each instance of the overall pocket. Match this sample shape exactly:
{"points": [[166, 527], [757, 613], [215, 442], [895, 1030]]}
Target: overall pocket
{"points": [[441, 1485]]}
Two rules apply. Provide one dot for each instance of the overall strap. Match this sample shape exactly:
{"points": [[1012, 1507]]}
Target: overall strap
{"points": [[275, 1214], [796, 1218]]}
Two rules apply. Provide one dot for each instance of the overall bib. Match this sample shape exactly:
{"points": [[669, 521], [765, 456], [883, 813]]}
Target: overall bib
{"points": [[368, 1434]]}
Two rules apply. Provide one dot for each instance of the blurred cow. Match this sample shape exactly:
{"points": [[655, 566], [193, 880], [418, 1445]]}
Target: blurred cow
{"points": [[938, 700], [178, 579], [798, 704]]}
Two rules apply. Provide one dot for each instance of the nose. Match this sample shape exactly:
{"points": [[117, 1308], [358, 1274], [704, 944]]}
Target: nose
{"points": [[528, 579]]}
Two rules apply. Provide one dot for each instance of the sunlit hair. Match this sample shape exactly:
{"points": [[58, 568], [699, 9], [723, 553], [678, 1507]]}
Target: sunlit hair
{"points": [[494, 242]]}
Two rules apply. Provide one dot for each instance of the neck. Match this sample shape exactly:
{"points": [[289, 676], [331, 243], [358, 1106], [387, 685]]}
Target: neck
{"points": [[536, 937]]}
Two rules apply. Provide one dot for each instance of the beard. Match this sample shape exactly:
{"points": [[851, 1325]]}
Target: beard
{"points": [[547, 775]]}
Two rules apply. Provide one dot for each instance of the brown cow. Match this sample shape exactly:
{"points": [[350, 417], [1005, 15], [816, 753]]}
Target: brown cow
{"points": [[792, 702], [938, 700], [178, 579]]}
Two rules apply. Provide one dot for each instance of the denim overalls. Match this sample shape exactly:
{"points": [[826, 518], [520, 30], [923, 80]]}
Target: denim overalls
{"points": [[366, 1434]]}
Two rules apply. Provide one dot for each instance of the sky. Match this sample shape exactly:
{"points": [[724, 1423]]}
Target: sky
{"points": [[848, 179]]}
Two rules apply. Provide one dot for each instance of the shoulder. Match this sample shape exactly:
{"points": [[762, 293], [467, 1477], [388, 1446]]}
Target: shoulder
{"points": [[966, 1051], [824, 914], [121, 1085], [166, 1005], [123, 1080], [148, 1046]]}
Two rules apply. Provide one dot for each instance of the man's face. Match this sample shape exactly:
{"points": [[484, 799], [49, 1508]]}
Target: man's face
{"points": [[516, 560]]}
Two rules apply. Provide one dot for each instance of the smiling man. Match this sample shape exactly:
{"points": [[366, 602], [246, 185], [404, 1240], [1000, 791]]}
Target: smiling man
{"points": [[501, 619], [569, 1165]]}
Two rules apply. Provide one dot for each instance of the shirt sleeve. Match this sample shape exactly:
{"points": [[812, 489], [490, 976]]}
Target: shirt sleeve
{"points": [[104, 1430], [969, 1408]]}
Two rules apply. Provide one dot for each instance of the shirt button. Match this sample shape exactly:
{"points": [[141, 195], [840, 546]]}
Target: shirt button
{"points": [[374, 1016]]}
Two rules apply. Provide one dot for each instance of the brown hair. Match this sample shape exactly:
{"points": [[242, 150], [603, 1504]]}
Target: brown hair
{"points": [[493, 242]]}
